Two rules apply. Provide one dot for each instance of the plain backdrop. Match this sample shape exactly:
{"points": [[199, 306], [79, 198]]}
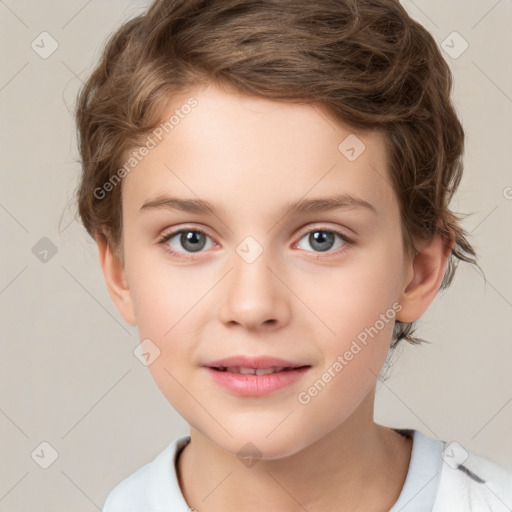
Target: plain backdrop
{"points": [[69, 377]]}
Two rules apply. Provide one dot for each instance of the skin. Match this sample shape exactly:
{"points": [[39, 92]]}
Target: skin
{"points": [[252, 156]]}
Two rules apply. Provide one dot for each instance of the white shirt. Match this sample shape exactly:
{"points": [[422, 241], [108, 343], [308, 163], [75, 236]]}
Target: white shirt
{"points": [[442, 477]]}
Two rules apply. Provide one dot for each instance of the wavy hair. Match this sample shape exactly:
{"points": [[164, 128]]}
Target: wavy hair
{"points": [[366, 62]]}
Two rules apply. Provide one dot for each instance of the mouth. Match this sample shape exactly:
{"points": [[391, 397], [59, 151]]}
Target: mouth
{"points": [[256, 371], [256, 380], [248, 363]]}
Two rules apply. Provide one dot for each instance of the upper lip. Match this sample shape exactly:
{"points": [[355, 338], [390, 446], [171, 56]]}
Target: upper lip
{"points": [[253, 362]]}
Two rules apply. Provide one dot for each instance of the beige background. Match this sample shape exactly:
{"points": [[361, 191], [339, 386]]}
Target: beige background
{"points": [[68, 374]]}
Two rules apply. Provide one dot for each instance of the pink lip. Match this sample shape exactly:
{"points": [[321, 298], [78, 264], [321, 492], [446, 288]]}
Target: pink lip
{"points": [[256, 385], [253, 362]]}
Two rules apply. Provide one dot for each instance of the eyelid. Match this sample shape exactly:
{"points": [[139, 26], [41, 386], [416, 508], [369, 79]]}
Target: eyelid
{"points": [[310, 228], [320, 226], [303, 231], [172, 232]]}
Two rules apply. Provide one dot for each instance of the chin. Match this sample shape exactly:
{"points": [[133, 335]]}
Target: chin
{"points": [[257, 444]]}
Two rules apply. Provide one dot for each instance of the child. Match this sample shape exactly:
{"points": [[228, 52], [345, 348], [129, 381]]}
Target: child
{"points": [[260, 131]]}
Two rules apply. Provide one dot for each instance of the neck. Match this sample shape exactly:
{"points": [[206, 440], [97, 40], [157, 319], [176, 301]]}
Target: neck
{"points": [[360, 465]]}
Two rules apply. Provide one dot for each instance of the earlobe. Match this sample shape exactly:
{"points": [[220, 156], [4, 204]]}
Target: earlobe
{"points": [[115, 278], [427, 269]]}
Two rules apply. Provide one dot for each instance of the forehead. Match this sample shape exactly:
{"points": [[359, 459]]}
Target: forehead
{"points": [[240, 149]]}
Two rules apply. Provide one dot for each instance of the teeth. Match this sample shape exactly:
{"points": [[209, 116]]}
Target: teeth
{"points": [[268, 371], [253, 371], [243, 371]]}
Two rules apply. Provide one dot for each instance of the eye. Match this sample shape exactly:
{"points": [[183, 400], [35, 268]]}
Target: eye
{"points": [[186, 241], [322, 240], [192, 240]]}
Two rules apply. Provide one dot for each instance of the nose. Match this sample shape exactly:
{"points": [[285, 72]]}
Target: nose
{"points": [[254, 296]]}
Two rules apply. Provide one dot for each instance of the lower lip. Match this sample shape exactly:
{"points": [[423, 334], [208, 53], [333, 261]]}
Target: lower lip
{"points": [[257, 385]]}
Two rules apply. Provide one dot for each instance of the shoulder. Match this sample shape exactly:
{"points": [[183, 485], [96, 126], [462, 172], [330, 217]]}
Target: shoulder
{"points": [[469, 481], [445, 477], [151, 488]]}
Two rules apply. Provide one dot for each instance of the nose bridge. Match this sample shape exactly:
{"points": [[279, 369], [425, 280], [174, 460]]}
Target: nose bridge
{"points": [[251, 276], [253, 295]]}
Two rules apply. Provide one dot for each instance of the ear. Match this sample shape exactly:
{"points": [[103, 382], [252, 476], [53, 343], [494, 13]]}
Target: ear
{"points": [[115, 278], [425, 275]]}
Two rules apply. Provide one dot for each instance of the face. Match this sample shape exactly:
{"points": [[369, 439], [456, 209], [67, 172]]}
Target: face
{"points": [[270, 270]]}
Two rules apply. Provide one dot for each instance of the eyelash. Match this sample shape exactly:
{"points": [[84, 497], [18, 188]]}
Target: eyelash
{"points": [[168, 236]]}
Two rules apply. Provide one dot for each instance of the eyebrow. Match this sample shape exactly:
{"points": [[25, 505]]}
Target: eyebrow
{"points": [[302, 206]]}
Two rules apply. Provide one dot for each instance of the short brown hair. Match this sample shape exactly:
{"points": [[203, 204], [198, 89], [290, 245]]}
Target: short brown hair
{"points": [[365, 61]]}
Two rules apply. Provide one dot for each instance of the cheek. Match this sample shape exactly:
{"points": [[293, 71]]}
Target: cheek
{"points": [[162, 293], [357, 305], [167, 308], [353, 296], [170, 319], [170, 304]]}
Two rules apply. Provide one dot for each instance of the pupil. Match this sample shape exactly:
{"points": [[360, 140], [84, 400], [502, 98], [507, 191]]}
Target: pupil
{"points": [[189, 241], [321, 240]]}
